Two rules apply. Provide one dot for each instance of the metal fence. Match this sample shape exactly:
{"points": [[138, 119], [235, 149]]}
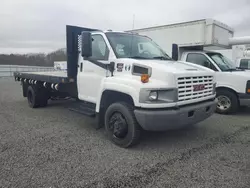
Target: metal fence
{"points": [[8, 70]]}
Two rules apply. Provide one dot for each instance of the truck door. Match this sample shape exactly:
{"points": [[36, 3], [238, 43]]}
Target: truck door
{"points": [[92, 72]]}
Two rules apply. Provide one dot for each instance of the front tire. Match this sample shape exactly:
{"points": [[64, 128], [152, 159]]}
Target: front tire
{"points": [[227, 102], [121, 125]]}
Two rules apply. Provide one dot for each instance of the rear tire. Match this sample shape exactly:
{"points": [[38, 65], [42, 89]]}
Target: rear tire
{"points": [[32, 97], [37, 98], [227, 102], [121, 125]]}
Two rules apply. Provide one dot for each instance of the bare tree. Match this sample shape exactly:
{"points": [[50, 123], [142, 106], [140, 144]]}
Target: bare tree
{"points": [[39, 59]]}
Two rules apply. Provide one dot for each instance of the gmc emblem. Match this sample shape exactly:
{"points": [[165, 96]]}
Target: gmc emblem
{"points": [[199, 87]]}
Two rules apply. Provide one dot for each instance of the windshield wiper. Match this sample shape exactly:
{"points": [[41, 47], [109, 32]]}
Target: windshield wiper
{"points": [[162, 58], [138, 57], [233, 69], [157, 57], [241, 68]]}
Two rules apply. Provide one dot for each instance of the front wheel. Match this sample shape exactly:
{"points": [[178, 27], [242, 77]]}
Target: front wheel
{"points": [[227, 102], [121, 125]]}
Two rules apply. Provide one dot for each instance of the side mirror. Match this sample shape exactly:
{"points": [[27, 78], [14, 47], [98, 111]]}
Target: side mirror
{"points": [[86, 43], [111, 68], [175, 50]]}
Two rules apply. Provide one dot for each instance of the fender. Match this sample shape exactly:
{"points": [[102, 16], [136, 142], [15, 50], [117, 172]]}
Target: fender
{"points": [[132, 88], [119, 87], [223, 85]]}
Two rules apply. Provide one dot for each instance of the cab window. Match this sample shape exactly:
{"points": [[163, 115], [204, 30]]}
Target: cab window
{"points": [[245, 63], [99, 48], [200, 59]]}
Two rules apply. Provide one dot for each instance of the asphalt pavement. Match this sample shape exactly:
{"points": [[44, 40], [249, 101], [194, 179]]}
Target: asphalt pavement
{"points": [[53, 147]]}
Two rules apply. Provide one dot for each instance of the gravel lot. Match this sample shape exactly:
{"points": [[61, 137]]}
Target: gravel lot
{"points": [[54, 147]]}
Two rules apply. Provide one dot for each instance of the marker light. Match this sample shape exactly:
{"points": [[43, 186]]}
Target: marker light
{"points": [[144, 78]]}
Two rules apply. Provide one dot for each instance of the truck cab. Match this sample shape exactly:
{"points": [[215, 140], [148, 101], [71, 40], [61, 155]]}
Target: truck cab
{"points": [[131, 79], [233, 84]]}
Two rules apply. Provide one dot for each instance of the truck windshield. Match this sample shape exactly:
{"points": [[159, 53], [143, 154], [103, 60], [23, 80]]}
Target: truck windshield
{"points": [[223, 62], [128, 45]]}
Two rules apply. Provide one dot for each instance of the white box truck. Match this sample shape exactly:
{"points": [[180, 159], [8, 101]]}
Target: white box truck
{"points": [[191, 42], [124, 88], [203, 34]]}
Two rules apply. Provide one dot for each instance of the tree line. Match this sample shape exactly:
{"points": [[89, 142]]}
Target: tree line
{"points": [[39, 59]]}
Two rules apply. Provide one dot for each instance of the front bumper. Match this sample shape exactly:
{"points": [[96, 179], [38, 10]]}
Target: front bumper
{"points": [[244, 99], [161, 120]]}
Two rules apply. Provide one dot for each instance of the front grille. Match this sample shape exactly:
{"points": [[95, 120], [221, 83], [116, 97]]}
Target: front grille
{"points": [[186, 87]]}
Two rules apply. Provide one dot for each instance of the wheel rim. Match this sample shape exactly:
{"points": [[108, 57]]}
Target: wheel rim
{"points": [[30, 99], [118, 125], [224, 103]]}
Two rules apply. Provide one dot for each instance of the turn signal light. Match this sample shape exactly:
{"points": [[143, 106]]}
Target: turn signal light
{"points": [[144, 78], [248, 90]]}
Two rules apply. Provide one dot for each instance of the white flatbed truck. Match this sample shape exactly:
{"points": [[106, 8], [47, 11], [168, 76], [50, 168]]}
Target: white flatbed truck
{"points": [[194, 42], [126, 88]]}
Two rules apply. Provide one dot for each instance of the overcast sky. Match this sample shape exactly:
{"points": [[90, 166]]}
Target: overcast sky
{"points": [[39, 25]]}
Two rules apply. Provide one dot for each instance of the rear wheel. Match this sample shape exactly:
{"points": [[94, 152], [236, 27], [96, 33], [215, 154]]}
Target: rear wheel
{"points": [[227, 102], [37, 98], [121, 125], [32, 97]]}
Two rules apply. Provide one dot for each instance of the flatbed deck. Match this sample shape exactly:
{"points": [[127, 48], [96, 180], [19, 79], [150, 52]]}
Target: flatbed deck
{"points": [[50, 77]]}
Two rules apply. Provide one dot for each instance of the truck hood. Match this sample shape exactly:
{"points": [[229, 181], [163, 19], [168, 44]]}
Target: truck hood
{"points": [[169, 66], [166, 72], [235, 80]]}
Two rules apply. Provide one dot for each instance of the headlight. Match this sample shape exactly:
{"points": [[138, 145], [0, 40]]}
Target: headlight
{"points": [[161, 95], [153, 95]]}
